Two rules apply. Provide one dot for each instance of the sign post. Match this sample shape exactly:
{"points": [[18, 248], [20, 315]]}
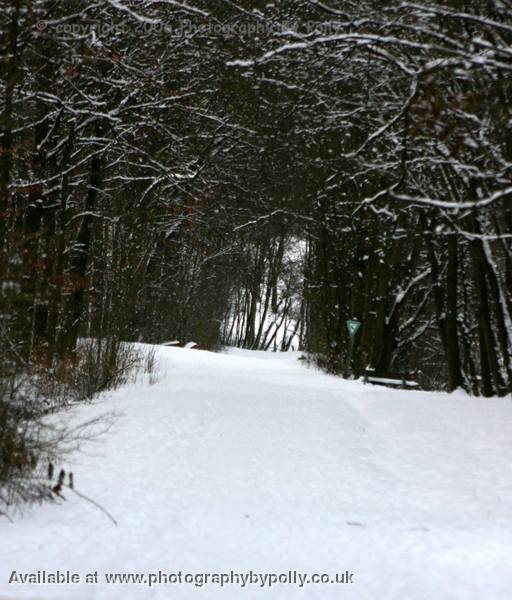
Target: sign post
{"points": [[353, 326]]}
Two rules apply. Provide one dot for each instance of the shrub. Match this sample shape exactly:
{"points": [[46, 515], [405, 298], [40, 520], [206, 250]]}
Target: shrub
{"points": [[30, 391]]}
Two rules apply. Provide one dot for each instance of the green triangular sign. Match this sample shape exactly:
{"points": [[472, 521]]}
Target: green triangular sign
{"points": [[353, 326]]}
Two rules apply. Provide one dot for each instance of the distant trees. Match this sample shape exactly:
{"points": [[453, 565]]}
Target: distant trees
{"points": [[266, 300]]}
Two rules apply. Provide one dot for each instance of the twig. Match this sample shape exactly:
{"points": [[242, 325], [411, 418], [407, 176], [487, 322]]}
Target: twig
{"points": [[103, 510], [4, 514]]}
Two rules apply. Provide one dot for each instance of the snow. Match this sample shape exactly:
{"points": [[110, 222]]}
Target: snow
{"points": [[247, 461]]}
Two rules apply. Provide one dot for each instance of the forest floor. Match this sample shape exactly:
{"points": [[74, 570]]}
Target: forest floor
{"points": [[245, 461]]}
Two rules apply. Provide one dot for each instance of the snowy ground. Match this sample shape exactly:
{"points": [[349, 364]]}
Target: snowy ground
{"points": [[252, 462]]}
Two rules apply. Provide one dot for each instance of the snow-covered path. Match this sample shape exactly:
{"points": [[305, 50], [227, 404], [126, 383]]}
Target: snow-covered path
{"points": [[252, 462]]}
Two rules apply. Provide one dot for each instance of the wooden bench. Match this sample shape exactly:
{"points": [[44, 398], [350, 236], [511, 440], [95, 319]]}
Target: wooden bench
{"points": [[395, 380]]}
